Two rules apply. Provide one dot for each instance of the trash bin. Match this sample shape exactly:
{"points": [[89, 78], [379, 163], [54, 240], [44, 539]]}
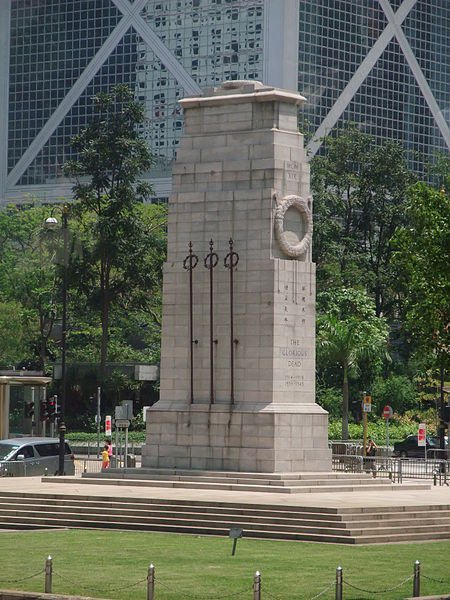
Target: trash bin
{"points": [[131, 460]]}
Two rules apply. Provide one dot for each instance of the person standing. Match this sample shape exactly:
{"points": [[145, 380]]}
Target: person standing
{"points": [[371, 452], [105, 458], [110, 450]]}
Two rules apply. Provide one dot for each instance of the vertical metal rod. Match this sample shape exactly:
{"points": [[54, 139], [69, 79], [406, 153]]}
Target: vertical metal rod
{"points": [[257, 586], [33, 415], [151, 583], [211, 261], [339, 580], [190, 262], [231, 260], [62, 410], [48, 575], [99, 418], [416, 580]]}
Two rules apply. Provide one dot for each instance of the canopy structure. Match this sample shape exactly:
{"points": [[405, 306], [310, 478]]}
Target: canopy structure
{"points": [[24, 378]]}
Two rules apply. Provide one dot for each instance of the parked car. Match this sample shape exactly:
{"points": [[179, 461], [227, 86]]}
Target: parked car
{"points": [[30, 456], [409, 448]]}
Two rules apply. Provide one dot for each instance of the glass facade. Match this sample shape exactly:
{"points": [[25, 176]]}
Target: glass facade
{"points": [[213, 40], [397, 90], [389, 100]]}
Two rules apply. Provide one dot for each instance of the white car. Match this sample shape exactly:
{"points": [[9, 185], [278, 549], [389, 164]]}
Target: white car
{"points": [[30, 456]]}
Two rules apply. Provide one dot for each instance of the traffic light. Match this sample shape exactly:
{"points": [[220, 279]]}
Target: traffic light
{"points": [[43, 412], [51, 409], [28, 410], [445, 413]]}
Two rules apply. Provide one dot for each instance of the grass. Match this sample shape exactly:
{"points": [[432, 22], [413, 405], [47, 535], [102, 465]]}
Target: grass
{"points": [[107, 564]]}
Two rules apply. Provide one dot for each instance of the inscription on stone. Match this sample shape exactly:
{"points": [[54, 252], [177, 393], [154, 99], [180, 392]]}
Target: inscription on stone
{"points": [[294, 381], [291, 169]]}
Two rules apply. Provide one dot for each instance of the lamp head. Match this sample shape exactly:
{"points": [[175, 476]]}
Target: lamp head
{"points": [[51, 223]]}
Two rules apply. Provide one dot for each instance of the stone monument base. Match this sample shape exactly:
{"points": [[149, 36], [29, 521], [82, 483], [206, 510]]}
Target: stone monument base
{"points": [[274, 438]]}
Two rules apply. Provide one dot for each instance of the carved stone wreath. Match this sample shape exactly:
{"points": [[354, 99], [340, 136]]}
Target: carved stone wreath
{"points": [[301, 205]]}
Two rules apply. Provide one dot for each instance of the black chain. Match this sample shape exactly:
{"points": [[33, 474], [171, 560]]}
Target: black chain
{"points": [[378, 591], [196, 597], [434, 580], [23, 578], [84, 587], [332, 584]]}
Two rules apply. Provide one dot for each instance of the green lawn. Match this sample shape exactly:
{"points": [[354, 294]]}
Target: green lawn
{"points": [[107, 564]]}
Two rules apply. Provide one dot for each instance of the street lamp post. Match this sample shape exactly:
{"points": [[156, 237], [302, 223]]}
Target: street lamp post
{"points": [[52, 223]]}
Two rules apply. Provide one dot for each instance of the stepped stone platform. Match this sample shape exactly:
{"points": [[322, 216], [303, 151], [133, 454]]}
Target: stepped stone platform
{"points": [[368, 517], [282, 483], [415, 512]]}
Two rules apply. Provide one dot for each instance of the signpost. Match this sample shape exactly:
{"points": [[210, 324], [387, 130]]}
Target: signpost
{"points": [[387, 414], [422, 437], [367, 408]]}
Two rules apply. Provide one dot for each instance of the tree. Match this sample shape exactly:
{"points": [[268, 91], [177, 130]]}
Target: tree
{"points": [[359, 192], [423, 273], [28, 278], [13, 347], [348, 334], [108, 197]]}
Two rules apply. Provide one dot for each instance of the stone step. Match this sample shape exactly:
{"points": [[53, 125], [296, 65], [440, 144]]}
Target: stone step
{"points": [[333, 525], [317, 535], [303, 482], [223, 521], [347, 486], [196, 474], [300, 519]]}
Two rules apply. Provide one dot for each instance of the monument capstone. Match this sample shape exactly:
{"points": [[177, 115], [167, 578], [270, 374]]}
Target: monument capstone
{"points": [[238, 336]]}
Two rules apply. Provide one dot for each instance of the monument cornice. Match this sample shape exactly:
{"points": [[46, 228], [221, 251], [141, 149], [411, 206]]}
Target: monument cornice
{"points": [[265, 95]]}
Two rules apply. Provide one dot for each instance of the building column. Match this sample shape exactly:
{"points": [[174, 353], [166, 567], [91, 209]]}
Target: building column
{"points": [[5, 28], [281, 31]]}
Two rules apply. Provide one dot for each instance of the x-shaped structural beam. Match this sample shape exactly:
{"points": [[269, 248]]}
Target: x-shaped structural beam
{"points": [[393, 28], [131, 18]]}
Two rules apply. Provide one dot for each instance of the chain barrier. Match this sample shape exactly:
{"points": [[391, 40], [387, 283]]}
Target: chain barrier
{"points": [[434, 580], [103, 590], [385, 591], [327, 589], [23, 578], [197, 597]]}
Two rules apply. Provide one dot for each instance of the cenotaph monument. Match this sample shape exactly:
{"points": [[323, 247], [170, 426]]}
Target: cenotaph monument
{"points": [[238, 336]]}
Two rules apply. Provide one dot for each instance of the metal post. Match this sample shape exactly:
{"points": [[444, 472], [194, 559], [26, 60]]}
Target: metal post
{"points": [[416, 581], [339, 581], [189, 263], [231, 260], [33, 416], [126, 447], [257, 586], [117, 449], [211, 261], [364, 427], [99, 392], [151, 583], [62, 410], [48, 575]]}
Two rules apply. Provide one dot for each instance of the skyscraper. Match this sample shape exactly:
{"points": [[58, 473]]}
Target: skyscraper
{"points": [[384, 64]]}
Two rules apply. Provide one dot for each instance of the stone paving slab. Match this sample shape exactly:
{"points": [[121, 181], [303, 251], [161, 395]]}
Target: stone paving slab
{"points": [[435, 496]]}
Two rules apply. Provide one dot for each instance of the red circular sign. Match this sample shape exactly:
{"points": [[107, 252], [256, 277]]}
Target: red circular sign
{"points": [[387, 412], [422, 432]]}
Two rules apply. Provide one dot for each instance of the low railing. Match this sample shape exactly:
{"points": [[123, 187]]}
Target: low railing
{"points": [[397, 469]]}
